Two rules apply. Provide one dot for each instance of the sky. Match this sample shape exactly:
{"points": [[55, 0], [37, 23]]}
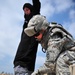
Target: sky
{"points": [[11, 22]]}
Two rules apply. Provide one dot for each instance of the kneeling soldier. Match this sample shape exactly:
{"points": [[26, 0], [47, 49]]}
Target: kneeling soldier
{"points": [[59, 46]]}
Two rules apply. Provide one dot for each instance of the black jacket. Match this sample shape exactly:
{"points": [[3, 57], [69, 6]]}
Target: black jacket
{"points": [[26, 52]]}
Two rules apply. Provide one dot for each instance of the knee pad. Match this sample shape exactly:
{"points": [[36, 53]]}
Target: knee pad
{"points": [[72, 69]]}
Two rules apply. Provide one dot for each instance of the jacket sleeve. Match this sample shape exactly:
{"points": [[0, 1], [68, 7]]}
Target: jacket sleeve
{"points": [[36, 6]]}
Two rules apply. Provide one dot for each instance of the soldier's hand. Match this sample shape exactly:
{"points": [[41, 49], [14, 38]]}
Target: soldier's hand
{"points": [[35, 73]]}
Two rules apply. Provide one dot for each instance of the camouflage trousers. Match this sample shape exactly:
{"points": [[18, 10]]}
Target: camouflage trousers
{"points": [[65, 60], [21, 71], [61, 67]]}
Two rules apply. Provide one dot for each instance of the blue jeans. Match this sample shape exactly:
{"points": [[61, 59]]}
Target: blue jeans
{"points": [[21, 71]]}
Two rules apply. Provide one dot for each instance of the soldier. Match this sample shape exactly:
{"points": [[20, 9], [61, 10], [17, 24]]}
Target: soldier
{"points": [[58, 45]]}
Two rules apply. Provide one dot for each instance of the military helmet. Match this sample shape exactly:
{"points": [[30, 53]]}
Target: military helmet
{"points": [[36, 23]]}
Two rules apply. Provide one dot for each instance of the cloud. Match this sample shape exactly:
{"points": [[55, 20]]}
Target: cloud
{"points": [[40, 61], [70, 27], [70, 24], [62, 5], [10, 30], [49, 7], [72, 15]]}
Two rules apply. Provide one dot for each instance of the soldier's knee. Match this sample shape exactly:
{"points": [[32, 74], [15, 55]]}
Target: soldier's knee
{"points": [[72, 69]]}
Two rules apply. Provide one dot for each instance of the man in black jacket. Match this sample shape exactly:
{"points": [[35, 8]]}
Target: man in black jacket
{"points": [[24, 61]]}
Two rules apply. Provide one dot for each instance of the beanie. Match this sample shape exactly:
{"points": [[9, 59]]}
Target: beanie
{"points": [[28, 5]]}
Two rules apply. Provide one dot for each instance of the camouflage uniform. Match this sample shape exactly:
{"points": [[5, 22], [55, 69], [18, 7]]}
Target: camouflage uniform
{"points": [[58, 44]]}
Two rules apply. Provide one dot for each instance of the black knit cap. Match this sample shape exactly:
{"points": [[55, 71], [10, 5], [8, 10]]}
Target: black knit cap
{"points": [[28, 5]]}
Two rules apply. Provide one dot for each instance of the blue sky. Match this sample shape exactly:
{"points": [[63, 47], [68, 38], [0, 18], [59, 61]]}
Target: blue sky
{"points": [[11, 22]]}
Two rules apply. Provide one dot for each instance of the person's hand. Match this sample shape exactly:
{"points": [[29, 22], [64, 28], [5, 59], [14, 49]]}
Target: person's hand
{"points": [[35, 73]]}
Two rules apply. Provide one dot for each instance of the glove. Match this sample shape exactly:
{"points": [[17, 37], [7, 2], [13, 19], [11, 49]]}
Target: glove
{"points": [[35, 73]]}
